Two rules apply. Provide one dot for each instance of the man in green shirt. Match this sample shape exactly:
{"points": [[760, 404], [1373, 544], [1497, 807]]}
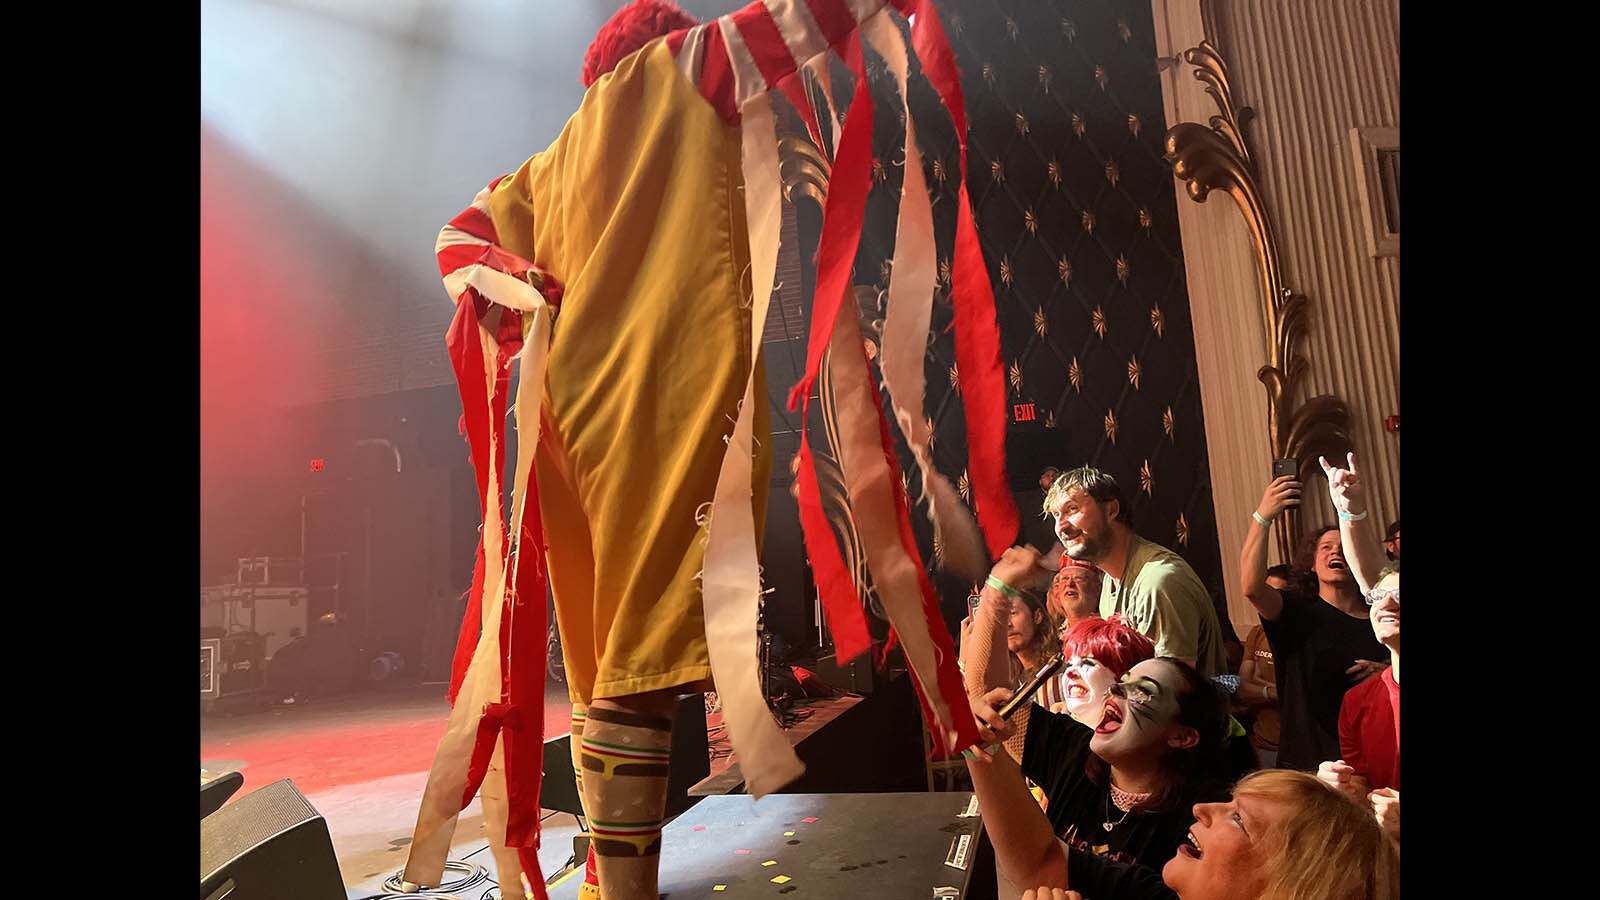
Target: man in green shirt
{"points": [[1144, 581]]}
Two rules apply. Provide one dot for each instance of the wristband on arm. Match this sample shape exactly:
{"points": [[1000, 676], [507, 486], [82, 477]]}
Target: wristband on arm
{"points": [[1002, 587]]}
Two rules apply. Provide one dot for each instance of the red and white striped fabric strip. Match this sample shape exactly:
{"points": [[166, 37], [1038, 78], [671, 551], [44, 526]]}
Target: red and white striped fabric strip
{"points": [[777, 36]]}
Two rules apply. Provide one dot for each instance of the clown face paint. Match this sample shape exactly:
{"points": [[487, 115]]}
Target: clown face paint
{"points": [[1139, 713], [1085, 682]]}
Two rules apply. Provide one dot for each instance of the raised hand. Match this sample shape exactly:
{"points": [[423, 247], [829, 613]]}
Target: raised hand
{"points": [[1344, 486], [1016, 567], [1386, 808], [1050, 893], [1335, 774], [1281, 493], [992, 728]]}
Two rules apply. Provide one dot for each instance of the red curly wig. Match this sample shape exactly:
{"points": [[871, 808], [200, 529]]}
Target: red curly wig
{"points": [[1114, 642], [633, 26]]}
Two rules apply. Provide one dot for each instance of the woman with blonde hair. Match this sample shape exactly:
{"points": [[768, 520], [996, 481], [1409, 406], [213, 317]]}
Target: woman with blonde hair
{"points": [[1284, 835]]}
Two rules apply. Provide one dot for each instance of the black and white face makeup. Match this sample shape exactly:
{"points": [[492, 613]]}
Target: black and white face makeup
{"points": [[1140, 713]]}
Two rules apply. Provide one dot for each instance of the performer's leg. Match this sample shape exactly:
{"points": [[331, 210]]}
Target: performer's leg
{"points": [[590, 889], [627, 748]]}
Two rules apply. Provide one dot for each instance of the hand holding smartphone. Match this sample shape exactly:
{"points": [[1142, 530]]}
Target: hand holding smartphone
{"points": [[1026, 691], [1289, 467]]}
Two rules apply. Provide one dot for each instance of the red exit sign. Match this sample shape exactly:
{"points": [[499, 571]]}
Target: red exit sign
{"points": [[1023, 412]]}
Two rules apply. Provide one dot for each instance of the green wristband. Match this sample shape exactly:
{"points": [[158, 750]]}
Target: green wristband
{"points": [[1264, 523], [1349, 518], [1002, 587]]}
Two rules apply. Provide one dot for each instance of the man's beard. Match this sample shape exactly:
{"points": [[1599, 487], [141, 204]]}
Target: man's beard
{"points": [[1095, 547]]}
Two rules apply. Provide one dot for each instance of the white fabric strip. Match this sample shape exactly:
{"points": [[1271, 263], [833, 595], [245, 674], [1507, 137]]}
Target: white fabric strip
{"points": [[910, 312], [495, 799], [822, 68], [873, 507], [447, 779], [532, 359], [692, 54], [861, 9], [747, 81], [731, 579], [800, 31]]}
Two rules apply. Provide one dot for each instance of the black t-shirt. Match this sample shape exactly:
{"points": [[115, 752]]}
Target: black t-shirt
{"points": [[1102, 878], [1313, 644], [1053, 756]]}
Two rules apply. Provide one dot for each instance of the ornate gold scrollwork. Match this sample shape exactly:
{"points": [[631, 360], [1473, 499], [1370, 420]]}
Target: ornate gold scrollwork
{"points": [[1215, 156]]}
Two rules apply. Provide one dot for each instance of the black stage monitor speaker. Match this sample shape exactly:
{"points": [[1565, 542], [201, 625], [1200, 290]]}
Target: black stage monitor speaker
{"points": [[216, 792], [267, 845]]}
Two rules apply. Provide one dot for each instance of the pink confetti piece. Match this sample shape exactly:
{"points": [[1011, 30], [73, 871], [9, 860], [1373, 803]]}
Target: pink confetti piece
{"points": [[741, 851], [699, 828], [809, 819]]}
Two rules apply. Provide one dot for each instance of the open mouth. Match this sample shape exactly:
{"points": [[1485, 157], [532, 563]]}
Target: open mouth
{"points": [[1077, 691], [1110, 719], [1190, 847]]}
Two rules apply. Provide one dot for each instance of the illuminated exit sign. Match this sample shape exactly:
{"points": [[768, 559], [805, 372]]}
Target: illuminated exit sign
{"points": [[1023, 412]]}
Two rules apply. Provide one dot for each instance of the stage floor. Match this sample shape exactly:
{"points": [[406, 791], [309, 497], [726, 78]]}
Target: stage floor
{"points": [[361, 759]]}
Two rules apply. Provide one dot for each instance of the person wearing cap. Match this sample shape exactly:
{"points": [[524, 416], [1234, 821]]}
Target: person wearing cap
{"points": [[1074, 592], [1391, 540]]}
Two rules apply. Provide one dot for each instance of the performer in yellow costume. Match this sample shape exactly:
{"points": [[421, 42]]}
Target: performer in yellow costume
{"points": [[626, 270]]}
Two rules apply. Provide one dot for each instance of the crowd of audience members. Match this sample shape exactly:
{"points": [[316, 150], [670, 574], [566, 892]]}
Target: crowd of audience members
{"points": [[1142, 770]]}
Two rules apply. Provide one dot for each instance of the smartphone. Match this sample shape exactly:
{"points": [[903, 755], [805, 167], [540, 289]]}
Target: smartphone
{"points": [[974, 600], [1289, 467], [1026, 691]]}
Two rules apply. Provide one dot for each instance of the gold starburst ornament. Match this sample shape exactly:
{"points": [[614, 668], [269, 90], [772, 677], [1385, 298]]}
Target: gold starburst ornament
{"points": [[1111, 427]]}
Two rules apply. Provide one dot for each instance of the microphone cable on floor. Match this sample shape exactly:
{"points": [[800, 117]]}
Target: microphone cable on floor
{"points": [[395, 884]]}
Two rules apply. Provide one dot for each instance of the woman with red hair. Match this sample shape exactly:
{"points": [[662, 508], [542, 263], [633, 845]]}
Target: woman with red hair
{"points": [[1125, 785]]}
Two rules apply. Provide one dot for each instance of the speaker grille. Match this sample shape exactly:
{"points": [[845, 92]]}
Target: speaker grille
{"points": [[272, 843]]}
